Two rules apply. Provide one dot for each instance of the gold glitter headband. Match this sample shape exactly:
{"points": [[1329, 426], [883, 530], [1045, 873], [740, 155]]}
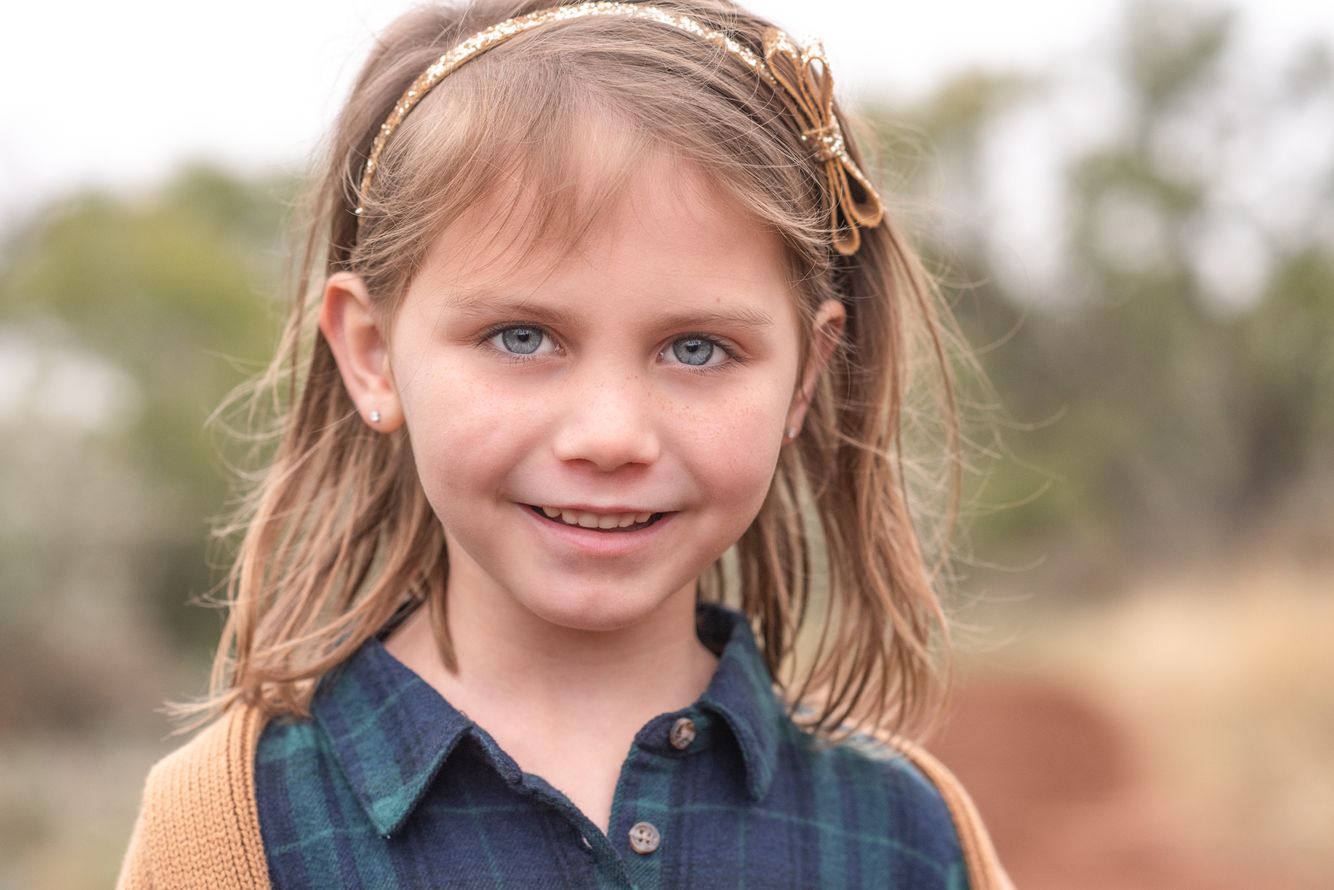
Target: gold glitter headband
{"points": [[801, 77]]}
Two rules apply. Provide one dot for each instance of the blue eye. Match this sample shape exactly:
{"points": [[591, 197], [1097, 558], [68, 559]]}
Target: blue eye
{"points": [[693, 350], [522, 341]]}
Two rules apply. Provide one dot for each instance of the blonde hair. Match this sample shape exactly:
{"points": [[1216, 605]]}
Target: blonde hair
{"points": [[337, 533]]}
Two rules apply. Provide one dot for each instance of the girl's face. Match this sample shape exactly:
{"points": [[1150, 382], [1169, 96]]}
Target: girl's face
{"points": [[652, 370]]}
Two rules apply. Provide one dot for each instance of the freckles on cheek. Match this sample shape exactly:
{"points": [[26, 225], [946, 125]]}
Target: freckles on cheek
{"points": [[466, 441], [447, 413], [745, 448]]}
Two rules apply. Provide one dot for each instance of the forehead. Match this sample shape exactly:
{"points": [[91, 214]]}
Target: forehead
{"points": [[633, 219]]}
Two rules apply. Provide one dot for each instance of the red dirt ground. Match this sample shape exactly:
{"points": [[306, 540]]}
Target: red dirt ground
{"points": [[1060, 786]]}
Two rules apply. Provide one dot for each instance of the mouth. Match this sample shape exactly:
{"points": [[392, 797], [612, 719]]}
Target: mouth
{"points": [[593, 522]]}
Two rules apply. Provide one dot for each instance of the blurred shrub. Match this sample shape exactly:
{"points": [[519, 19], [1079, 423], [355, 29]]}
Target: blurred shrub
{"points": [[125, 320], [1169, 382]]}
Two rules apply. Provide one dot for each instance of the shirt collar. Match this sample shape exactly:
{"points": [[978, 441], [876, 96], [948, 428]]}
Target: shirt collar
{"points": [[391, 732]]}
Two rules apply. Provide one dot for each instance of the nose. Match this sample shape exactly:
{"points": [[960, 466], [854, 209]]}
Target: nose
{"points": [[608, 421]]}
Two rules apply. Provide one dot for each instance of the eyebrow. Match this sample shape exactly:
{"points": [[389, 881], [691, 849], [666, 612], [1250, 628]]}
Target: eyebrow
{"points": [[473, 304]]}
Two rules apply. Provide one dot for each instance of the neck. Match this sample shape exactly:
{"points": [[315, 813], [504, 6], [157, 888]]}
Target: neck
{"points": [[514, 667]]}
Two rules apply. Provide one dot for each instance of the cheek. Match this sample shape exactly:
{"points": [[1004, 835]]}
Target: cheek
{"points": [[738, 458], [464, 432]]}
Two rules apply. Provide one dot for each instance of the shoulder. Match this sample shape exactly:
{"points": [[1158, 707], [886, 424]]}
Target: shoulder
{"points": [[933, 807], [882, 783], [213, 755], [197, 824]]}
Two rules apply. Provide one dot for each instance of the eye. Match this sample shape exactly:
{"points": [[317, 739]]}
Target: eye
{"points": [[696, 351], [517, 341]]}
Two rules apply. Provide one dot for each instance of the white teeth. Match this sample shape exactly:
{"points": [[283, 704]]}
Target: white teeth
{"points": [[593, 520]]}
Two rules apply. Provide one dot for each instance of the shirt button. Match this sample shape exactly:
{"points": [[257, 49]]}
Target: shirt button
{"points": [[644, 838], [682, 734]]}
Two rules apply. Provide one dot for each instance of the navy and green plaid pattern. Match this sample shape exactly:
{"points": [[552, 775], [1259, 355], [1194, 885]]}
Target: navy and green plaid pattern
{"points": [[391, 787]]}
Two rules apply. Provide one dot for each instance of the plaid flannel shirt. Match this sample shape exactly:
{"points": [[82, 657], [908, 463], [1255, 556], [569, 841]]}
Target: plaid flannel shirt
{"points": [[389, 786]]}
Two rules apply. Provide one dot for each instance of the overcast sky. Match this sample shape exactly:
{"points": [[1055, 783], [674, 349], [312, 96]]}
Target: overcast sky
{"points": [[118, 93]]}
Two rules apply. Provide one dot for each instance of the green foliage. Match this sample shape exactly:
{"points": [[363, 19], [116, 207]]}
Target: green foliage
{"points": [[1146, 416], [173, 289]]}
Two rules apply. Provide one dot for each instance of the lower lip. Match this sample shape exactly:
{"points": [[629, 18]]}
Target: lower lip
{"points": [[599, 543]]}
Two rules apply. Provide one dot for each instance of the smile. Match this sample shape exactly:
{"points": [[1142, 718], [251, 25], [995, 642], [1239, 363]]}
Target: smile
{"points": [[607, 522]]}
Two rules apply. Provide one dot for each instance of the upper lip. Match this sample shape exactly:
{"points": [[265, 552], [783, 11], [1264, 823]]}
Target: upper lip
{"points": [[589, 508]]}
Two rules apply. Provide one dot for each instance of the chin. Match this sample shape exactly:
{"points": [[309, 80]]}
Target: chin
{"points": [[591, 608]]}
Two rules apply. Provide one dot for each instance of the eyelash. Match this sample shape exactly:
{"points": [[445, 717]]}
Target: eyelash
{"points": [[733, 356]]}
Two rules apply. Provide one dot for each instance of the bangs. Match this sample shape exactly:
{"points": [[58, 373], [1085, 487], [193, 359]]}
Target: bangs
{"points": [[528, 146], [527, 161]]}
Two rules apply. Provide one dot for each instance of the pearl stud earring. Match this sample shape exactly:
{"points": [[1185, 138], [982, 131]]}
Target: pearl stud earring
{"points": [[375, 415]]}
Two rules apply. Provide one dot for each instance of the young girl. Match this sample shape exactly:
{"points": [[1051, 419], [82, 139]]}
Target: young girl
{"points": [[612, 330]]}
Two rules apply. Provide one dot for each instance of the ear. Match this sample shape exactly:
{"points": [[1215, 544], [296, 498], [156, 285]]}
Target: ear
{"points": [[826, 332], [361, 350]]}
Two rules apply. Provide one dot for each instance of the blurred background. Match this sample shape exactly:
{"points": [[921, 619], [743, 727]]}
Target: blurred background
{"points": [[1132, 208]]}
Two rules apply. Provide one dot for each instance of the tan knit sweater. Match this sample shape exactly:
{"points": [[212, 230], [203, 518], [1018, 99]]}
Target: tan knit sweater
{"points": [[198, 826]]}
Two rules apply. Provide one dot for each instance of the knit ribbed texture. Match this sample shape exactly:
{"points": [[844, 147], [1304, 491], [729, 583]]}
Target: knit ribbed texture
{"points": [[198, 824]]}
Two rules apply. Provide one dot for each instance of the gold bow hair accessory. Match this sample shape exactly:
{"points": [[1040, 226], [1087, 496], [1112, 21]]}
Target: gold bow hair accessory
{"points": [[801, 77], [808, 90]]}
